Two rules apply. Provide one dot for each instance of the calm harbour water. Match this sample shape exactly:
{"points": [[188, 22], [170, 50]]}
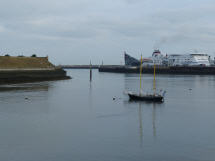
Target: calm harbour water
{"points": [[75, 120]]}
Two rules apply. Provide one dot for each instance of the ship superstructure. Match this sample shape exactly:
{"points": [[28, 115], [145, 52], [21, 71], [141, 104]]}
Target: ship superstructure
{"points": [[156, 58], [188, 60]]}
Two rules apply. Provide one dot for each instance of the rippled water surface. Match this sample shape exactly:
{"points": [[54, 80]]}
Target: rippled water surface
{"points": [[75, 120]]}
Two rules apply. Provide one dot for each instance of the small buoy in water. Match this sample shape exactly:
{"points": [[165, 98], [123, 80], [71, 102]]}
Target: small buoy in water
{"points": [[114, 98]]}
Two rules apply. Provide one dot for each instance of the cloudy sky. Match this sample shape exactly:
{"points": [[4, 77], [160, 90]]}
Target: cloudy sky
{"points": [[77, 31]]}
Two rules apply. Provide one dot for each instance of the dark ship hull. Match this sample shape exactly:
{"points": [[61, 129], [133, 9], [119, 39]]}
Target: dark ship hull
{"points": [[149, 98]]}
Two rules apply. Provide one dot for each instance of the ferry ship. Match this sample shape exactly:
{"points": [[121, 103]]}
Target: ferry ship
{"points": [[197, 59]]}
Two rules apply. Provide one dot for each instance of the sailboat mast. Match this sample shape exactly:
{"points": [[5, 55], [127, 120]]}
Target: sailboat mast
{"points": [[141, 60], [154, 85]]}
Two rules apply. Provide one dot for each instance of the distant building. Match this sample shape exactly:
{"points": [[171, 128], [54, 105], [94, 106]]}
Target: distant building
{"points": [[212, 61]]}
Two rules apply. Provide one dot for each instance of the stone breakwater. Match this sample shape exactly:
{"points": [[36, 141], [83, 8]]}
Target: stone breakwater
{"points": [[23, 76]]}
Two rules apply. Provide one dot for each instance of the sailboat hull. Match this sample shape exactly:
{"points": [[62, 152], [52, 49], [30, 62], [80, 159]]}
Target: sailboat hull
{"points": [[149, 98]]}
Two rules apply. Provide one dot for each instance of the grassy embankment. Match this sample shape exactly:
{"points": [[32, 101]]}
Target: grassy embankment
{"points": [[9, 62], [28, 69]]}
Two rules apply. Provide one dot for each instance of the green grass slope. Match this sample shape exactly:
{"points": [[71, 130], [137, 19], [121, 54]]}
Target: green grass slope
{"points": [[9, 62]]}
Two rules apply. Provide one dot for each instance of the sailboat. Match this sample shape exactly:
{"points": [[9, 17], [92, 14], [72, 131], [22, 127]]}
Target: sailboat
{"points": [[154, 97]]}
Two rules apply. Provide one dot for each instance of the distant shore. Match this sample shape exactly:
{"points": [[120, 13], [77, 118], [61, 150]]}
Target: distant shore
{"points": [[79, 66], [87, 66], [187, 70]]}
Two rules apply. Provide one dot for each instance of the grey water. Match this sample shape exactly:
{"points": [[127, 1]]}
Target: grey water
{"points": [[75, 120]]}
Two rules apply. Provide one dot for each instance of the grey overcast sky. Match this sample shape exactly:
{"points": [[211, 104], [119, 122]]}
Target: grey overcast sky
{"points": [[77, 31]]}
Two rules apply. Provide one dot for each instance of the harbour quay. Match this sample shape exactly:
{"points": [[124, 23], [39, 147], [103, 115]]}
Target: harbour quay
{"points": [[190, 70], [197, 63]]}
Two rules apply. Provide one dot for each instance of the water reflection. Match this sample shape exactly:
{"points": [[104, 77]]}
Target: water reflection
{"points": [[24, 92], [25, 87], [90, 98], [140, 125], [146, 113], [154, 119]]}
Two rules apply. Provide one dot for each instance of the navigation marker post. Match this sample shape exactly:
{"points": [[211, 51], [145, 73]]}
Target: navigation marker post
{"points": [[90, 71]]}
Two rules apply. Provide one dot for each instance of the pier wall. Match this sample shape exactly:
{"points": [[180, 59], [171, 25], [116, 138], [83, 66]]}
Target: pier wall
{"points": [[160, 70], [22, 76]]}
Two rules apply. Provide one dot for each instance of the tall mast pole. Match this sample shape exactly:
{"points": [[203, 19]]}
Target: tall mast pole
{"points": [[141, 73], [154, 85]]}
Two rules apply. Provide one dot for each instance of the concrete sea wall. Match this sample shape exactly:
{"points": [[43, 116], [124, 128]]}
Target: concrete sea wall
{"points": [[22, 76], [160, 70]]}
